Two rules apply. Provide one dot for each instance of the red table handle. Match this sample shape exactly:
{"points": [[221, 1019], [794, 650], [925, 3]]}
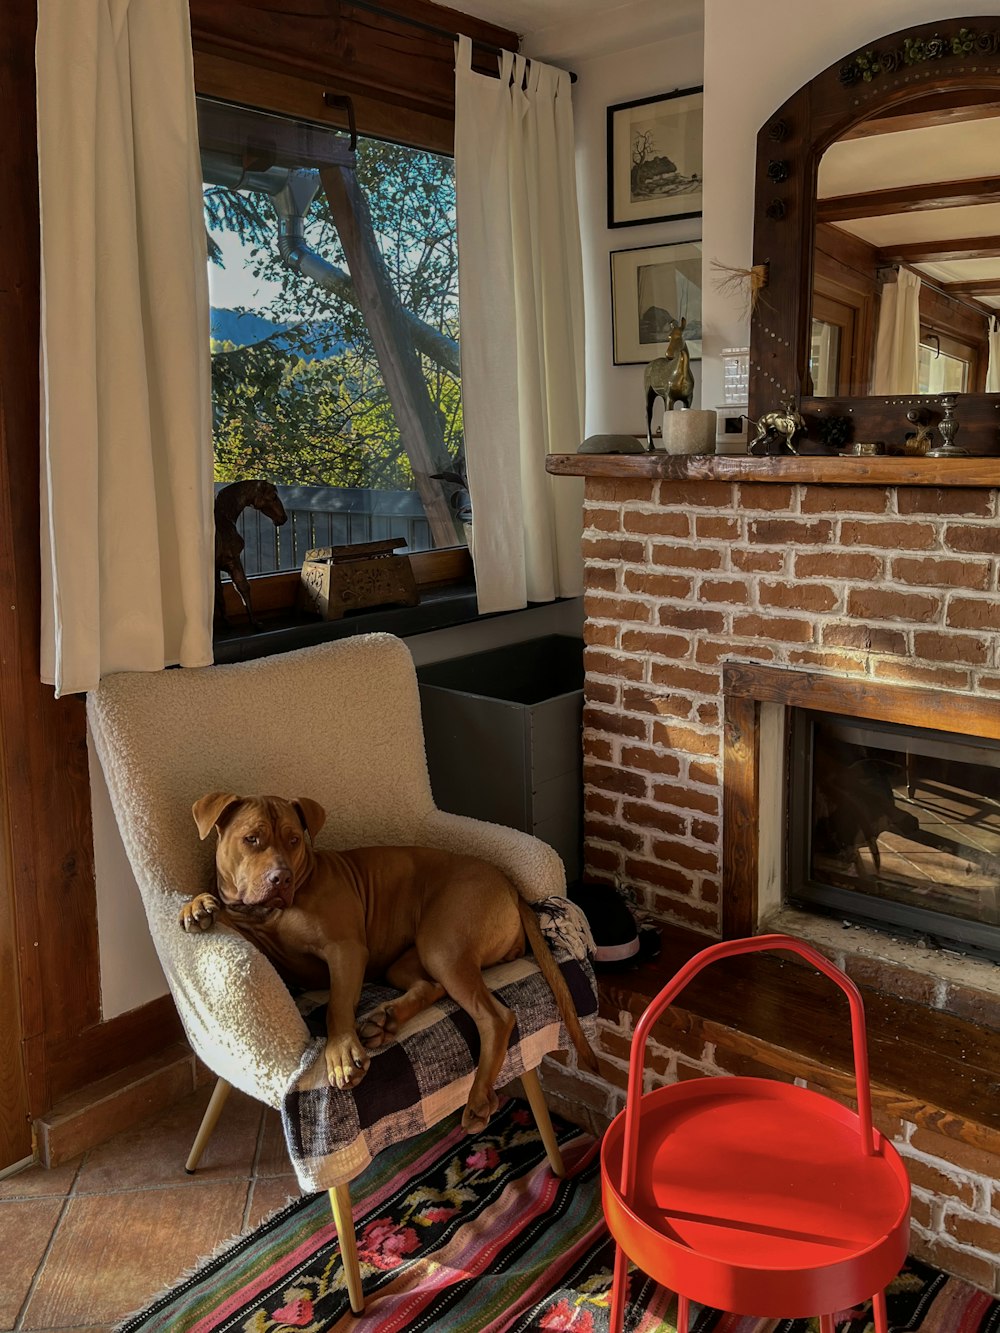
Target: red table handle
{"points": [[727, 949]]}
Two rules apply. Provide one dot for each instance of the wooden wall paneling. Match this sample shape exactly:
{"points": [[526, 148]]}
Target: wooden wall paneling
{"points": [[15, 1119], [844, 270], [43, 765], [286, 94], [347, 47]]}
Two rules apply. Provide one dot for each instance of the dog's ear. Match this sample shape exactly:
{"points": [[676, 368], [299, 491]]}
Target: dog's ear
{"points": [[311, 813], [208, 810]]}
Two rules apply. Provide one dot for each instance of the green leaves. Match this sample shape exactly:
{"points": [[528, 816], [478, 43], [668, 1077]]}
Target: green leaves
{"points": [[287, 408]]}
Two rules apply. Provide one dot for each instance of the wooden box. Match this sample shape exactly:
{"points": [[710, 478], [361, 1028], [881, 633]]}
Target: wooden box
{"points": [[338, 579]]}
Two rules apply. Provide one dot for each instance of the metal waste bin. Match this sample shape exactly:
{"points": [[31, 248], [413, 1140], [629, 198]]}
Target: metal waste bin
{"points": [[503, 735]]}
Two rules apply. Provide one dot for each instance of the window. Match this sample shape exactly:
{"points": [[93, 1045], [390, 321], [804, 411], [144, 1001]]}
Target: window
{"points": [[824, 358], [334, 334], [945, 365]]}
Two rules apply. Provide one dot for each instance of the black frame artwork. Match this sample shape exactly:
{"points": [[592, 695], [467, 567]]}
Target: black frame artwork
{"points": [[634, 341], [666, 183]]}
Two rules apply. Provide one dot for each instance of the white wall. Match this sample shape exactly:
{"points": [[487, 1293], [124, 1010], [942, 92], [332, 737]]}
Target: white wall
{"points": [[615, 397], [757, 54], [130, 970]]}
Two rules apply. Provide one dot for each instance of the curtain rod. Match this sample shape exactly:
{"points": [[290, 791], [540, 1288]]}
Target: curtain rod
{"points": [[430, 27], [942, 291]]}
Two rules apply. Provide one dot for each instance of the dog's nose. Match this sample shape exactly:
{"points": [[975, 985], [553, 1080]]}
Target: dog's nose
{"points": [[279, 879]]}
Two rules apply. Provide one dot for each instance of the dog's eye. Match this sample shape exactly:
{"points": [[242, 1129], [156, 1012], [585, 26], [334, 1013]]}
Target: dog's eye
{"points": [[294, 840], [251, 839]]}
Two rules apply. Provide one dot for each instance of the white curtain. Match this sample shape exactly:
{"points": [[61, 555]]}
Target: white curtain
{"points": [[897, 342], [521, 309], [993, 366], [127, 526]]}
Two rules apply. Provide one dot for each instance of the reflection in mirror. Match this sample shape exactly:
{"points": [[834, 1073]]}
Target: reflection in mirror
{"points": [[906, 265]]}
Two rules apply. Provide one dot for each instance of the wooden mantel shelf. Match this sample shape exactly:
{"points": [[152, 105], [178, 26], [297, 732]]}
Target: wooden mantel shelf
{"points": [[973, 471]]}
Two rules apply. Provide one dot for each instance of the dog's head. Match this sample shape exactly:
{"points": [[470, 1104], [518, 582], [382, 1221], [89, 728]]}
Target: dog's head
{"points": [[264, 852]]}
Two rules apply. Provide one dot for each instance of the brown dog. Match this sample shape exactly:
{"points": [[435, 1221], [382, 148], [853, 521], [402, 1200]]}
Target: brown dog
{"points": [[425, 921]]}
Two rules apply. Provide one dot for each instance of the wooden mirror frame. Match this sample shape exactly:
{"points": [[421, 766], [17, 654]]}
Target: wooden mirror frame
{"points": [[953, 54]]}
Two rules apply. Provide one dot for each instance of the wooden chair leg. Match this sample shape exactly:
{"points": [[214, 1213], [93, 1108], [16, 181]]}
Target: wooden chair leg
{"points": [[343, 1220], [209, 1120], [536, 1100]]}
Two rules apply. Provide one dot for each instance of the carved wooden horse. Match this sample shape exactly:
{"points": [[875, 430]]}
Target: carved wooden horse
{"points": [[229, 504], [669, 377]]}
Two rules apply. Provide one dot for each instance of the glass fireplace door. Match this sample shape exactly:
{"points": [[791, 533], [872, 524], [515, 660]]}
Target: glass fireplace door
{"points": [[896, 826]]}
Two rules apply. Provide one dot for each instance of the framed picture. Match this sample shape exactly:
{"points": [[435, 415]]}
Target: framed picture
{"points": [[654, 159], [650, 288]]}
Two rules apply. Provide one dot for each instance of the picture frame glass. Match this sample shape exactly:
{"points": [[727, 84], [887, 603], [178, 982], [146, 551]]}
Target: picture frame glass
{"points": [[655, 159], [652, 286]]}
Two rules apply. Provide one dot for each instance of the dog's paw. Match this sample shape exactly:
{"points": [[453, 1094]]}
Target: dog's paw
{"points": [[478, 1111], [346, 1061], [199, 913], [378, 1027]]}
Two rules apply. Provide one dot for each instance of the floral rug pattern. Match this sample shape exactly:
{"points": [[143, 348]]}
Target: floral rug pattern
{"points": [[475, 1235]]}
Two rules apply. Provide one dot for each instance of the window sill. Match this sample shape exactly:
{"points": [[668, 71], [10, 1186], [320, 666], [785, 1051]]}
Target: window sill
{"points": [[284, 631]]}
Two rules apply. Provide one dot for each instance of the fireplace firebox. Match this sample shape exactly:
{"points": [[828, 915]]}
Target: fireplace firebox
{"points": [[896, 827]]}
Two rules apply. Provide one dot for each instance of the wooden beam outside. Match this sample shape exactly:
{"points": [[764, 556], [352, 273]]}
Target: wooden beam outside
{"points": [[907, 199], [416, 418]]}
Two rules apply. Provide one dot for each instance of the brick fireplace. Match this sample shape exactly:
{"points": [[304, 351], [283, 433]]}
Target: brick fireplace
{"points": [[702, 578]]}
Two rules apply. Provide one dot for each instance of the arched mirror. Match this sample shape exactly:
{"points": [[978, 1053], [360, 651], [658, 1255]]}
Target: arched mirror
{"points": [[878, 217]]}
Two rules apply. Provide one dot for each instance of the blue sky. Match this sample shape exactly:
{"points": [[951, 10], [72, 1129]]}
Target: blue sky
{"points": [[235, 285]]}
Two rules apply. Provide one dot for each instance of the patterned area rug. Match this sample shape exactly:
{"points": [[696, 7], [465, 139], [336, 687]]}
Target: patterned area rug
{"points": [[475, 1235]]}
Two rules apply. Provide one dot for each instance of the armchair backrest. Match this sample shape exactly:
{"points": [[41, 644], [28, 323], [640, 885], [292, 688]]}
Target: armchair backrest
{"points": [[339, 722]]}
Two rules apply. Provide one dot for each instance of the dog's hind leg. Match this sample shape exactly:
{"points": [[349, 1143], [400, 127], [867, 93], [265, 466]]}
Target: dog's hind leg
{"points": [[420, 992], [463, 980]]}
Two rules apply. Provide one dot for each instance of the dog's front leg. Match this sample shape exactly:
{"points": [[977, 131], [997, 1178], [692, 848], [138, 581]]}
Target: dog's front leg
{"points": [[346, 1058]]}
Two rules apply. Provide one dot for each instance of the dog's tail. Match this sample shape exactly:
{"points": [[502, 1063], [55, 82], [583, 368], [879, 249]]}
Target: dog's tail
{"points": [[550, 971]]}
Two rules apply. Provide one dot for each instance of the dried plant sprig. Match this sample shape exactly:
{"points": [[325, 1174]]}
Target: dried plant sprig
{"points": [[745, 283]]}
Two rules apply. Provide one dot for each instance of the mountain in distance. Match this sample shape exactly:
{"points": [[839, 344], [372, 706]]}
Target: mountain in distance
{"points": [[243, 328]]}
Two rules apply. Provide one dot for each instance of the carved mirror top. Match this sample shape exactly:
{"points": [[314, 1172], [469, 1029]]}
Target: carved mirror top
{"points": [[835, 231]]}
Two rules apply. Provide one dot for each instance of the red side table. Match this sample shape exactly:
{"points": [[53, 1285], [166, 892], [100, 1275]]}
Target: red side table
{"points": [[754, 1196]]}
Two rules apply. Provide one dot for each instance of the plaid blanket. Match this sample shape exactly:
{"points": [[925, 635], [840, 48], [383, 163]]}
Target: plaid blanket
{"points": [[427, 1071]]}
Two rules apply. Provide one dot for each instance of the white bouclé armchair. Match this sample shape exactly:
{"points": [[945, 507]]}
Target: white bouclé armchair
{"points": [[339, 723]]}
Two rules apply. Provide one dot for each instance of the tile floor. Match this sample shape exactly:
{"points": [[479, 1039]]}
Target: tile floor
{"points": [[86, 1243]]}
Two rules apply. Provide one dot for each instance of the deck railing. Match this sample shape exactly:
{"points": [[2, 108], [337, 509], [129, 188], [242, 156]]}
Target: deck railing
{"points": [[329, 516]]}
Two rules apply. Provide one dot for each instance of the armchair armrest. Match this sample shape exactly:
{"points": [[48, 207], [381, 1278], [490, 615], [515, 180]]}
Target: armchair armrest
{"points": [[532, 866], [238, 1014]]}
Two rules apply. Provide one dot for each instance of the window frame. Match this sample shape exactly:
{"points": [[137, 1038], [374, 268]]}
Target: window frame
{"points": [[304, 98]]}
